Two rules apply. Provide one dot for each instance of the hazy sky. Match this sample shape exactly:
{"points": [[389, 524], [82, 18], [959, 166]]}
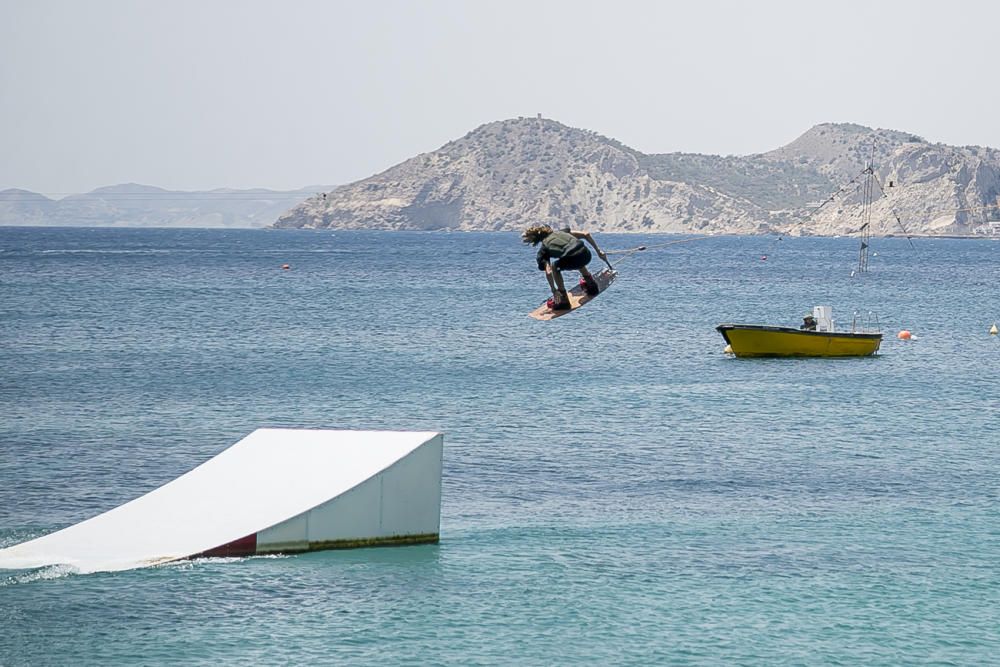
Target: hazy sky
{"points": [[203, 94]]}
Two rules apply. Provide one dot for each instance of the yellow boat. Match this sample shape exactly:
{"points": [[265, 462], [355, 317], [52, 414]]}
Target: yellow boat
{"points": [[760, 340]]}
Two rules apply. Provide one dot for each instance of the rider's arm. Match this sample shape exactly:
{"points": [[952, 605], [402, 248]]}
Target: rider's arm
{"points": [[590, 239]]}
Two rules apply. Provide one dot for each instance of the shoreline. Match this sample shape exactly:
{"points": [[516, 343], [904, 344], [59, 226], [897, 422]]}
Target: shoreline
{"points": [[975, 237]]}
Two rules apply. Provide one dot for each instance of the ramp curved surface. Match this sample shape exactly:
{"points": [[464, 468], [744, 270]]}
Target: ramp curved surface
{"points": [[276, 490]]}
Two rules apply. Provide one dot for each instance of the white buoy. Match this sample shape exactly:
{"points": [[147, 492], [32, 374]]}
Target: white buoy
{"points": [[993, 329]]}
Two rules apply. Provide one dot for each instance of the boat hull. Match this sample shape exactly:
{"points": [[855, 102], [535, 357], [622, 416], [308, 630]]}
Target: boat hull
{"points": [[752, 340]]}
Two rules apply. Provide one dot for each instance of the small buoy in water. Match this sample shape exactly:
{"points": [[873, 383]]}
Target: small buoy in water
{"points": [[763, 258], [993, 329], [728, 349], [286, 266], [904, 335]]}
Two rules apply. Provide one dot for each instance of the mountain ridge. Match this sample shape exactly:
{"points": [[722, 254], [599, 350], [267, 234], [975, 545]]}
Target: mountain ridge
{"points": [[508, 174], [137, 205]]}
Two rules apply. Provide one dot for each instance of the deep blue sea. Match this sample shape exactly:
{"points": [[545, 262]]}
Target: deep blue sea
{"points": [[617, 491]]}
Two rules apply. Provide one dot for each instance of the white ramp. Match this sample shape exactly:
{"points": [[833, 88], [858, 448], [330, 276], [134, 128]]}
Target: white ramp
{"points": [[274, 491]]}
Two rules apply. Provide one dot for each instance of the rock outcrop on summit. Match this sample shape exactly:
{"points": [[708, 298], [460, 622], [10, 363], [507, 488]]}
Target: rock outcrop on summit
{"points": [[509, 174]]}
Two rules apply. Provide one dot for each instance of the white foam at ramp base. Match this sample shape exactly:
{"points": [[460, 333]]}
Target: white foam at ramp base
{"points": [[276, 490]]}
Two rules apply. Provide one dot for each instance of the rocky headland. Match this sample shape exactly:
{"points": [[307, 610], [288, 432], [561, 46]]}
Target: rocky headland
{"points": [[509, 174]]}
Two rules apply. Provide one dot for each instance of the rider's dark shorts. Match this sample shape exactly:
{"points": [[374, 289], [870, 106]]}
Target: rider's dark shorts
{"points": [[574, 261]]}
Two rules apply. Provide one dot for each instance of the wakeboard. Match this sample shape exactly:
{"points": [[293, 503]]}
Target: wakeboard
{"points": [[577, 297]]}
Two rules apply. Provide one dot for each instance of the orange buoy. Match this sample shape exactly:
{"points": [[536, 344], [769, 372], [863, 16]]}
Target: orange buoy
{"points": [[285, 266], [904, 335]]}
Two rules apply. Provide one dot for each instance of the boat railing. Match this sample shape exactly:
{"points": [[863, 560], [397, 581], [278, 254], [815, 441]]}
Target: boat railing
{"points": [[865, 323]]}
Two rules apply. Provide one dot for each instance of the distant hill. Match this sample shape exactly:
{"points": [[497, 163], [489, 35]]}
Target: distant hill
{"points": [[509, 174], [132, 205]]}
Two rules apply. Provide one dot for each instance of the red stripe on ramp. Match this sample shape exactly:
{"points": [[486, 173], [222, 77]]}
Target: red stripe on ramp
{"points": [[245, 546]]}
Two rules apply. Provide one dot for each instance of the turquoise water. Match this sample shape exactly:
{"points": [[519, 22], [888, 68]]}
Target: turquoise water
{"points": [[616, 490]]}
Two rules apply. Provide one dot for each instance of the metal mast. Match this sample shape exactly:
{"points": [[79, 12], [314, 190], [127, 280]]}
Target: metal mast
{"points": [[868, 190]]}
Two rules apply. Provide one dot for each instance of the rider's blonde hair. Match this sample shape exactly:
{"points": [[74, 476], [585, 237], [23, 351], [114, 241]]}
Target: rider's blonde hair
{"points": [[534, 235]]}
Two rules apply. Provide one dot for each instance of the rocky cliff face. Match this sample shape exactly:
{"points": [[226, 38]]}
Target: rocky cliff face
{"points": [[507, 175], [510, 174], [921, 188]]}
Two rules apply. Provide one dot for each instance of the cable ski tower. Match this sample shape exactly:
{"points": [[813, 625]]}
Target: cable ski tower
{"points": [[869, 186], [868, 190]]}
